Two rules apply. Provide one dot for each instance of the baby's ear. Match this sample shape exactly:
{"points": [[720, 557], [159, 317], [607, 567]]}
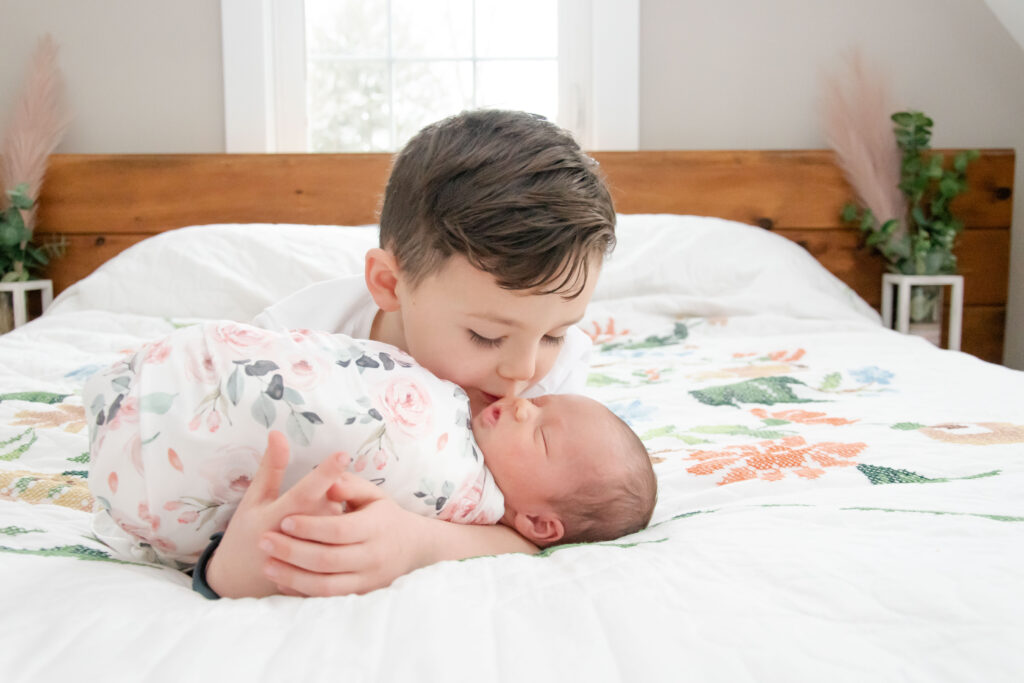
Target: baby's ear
{"points": [[542, 529], [382, 275]]}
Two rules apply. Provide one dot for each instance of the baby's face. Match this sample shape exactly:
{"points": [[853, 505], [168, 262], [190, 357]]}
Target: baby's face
{"points": [[537, 449]]}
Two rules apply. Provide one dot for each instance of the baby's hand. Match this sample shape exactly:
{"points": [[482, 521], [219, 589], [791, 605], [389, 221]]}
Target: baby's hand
{"points": [[236, 568]]}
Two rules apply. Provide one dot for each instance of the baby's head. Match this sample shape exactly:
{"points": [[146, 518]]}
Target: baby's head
{"points": [[571, 471]]}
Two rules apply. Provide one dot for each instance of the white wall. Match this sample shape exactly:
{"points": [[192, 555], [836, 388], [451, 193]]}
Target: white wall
{"points": [[145, 76], [746, 74], [142, 75]]}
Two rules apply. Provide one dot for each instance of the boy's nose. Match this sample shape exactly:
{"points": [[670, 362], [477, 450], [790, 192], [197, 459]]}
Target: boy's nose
{"points": [[519, 365]]}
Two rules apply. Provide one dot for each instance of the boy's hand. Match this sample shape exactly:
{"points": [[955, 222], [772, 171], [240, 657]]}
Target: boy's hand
{"points": [[374, 542], [235, 570]]}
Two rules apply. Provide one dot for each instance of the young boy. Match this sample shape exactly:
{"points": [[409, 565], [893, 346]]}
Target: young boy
{"points": [[175, 430], [492, 233]]}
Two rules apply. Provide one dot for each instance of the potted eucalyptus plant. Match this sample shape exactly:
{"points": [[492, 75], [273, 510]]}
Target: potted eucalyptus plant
{"points": [[920, 241], [21, 259]]}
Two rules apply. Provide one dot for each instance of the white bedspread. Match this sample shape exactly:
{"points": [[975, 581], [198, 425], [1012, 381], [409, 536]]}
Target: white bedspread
{"points": [[837, 502]]}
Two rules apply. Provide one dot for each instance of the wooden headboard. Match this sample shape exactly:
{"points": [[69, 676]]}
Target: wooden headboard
{"points": [[105, 203]]}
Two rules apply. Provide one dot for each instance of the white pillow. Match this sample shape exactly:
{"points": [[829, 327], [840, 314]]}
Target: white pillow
{"points": [[663, 264], [696, 265], [230, 271]]}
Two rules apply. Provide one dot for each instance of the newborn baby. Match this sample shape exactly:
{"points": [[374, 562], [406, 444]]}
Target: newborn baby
{"points": [[176, 432]]}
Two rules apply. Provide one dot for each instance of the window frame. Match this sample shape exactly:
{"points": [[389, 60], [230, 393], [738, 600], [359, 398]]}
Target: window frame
{"points": [[263, 46]]}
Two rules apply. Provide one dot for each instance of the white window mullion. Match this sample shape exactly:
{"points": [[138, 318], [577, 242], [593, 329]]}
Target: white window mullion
{"points": [[264, 55]]}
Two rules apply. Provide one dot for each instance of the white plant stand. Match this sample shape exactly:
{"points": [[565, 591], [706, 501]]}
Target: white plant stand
{"points": [[19, 296], [902, 285]]}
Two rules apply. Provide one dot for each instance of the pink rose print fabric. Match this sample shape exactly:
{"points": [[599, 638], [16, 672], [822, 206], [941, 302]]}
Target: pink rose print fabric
{"points": [[177, 430]]}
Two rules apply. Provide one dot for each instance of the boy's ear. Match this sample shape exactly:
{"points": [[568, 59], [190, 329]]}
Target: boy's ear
{"points": [[543, 529], [382, 278]]}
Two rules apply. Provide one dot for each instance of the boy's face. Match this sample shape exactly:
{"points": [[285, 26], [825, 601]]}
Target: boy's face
{"points": [[537, 449], [493, 342]]}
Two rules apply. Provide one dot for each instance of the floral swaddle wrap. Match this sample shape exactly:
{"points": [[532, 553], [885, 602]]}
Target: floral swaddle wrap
{"points": [[177, 431]]}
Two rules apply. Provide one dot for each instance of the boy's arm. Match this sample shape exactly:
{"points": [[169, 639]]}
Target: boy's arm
{"points": [[372, 544]]}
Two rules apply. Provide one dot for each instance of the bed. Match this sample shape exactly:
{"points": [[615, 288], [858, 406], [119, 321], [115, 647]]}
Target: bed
{"points": [[837, 501]]}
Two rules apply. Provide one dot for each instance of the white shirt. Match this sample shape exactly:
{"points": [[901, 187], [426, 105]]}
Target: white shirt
{"points": [[344, 305]]}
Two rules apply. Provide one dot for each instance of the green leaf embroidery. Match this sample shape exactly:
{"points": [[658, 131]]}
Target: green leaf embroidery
{"points": [[17, 452], [907, 426], [740, 430], [596, 379], [83, 458], [831, 381], [888, 475], [34, 397], [670, 431], [16, 530], [763, 390]]}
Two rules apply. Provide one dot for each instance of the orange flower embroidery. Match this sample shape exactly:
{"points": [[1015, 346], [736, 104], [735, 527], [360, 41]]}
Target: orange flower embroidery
{"points": [[72, 418], [607, 333], [805, 417], [787, 356], [769, 460]]}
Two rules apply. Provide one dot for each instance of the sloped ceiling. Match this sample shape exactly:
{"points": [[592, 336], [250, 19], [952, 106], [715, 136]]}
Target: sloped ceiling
{"points": [[1011, 13]]}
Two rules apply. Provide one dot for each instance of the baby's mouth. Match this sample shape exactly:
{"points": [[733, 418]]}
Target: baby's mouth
{"points": [[492, 414]]}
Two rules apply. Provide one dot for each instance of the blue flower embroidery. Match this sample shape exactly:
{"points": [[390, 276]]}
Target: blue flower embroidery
{"points": [[633, 412], [872, 374]]}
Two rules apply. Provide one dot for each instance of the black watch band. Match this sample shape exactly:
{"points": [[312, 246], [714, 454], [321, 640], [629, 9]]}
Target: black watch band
{"points": [[199, 584]]}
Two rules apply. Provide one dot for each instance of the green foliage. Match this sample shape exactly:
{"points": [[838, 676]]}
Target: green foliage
{"points": [[925, 247], [20, 257]]}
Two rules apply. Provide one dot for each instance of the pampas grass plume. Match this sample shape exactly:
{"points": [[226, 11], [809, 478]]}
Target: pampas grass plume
{"points": [[858, 127], [39, 120]]}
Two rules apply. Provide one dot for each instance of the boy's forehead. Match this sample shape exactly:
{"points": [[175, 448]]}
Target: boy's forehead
{"points": [[475, 288]]}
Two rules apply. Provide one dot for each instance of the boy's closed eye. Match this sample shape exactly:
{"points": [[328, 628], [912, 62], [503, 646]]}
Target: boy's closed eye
{"points": [[485, 341], [489, 342]]}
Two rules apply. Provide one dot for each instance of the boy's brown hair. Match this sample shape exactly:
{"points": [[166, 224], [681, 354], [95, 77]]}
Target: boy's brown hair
{"points": [[510, 191]]}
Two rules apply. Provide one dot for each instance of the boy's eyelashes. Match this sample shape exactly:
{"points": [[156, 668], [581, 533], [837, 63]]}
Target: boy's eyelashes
{"points": [[494, 343], [484, 341]]}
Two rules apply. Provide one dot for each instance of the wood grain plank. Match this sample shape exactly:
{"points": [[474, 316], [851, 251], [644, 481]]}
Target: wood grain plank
{"points": [[779, 189], [984, 331], [981, 254], [152, 193]]}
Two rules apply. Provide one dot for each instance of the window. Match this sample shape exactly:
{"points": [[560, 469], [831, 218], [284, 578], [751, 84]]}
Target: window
{"points": [[365, 75]]}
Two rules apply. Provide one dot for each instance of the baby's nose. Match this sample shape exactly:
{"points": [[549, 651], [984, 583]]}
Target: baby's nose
{"points": [[521, 407]]}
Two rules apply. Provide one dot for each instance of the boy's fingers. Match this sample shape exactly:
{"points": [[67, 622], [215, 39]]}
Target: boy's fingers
{"points": [[315, 557], [313, 584], [328, 529], [354, 491], [312, 488], [266, 483]]}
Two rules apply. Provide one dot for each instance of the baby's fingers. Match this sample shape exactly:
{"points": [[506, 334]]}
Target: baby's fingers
{"points": [[354, 491], [311, 491]]}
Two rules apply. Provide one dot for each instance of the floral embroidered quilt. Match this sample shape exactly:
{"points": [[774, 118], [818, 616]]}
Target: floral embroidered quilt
{"points": [[836, 502]]}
